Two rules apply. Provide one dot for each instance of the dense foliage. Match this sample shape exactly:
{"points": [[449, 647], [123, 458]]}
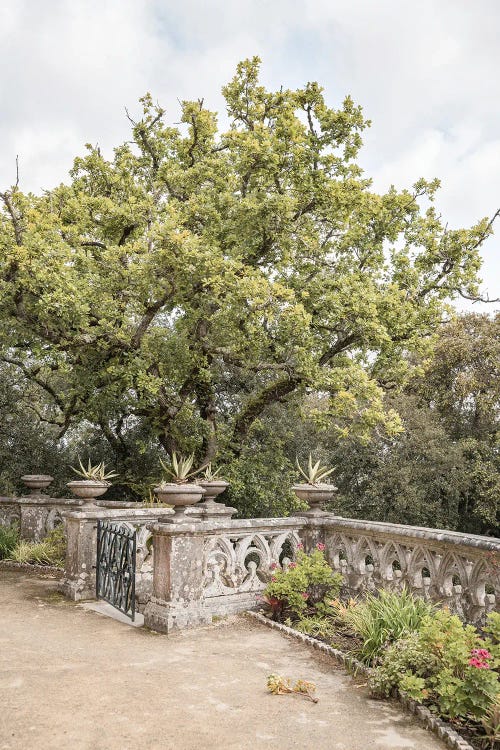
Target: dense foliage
{"points": [[229, 292]]}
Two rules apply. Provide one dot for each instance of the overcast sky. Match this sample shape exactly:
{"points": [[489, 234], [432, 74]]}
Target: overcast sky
{"points": [[426, 74]]}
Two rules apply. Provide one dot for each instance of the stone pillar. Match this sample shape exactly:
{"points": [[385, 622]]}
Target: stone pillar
{"points": [[79, 569], [313, 531], [177, 600]]}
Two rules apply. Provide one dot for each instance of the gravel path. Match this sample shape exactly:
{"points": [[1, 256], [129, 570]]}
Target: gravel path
{"points": [[71, 678]]}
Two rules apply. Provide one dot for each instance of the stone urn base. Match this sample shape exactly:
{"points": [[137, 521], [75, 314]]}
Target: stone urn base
{"points": [[315, 495], [88, 489]]}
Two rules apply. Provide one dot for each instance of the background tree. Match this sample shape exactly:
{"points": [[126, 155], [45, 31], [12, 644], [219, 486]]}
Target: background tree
{"points": [[198, 279]]}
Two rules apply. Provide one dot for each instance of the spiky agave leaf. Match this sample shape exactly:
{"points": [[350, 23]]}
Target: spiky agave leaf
{"points": [[180, 469], [315, 473], [96, 473]]}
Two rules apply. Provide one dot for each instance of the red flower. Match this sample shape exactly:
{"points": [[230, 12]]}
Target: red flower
{"points": [[274, 579], [292, 565], [273, 566], [320, 546], [305, 595]]}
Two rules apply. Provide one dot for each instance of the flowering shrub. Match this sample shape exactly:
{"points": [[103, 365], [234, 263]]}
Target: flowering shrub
{"points": [[307, 584], [444, 662]]}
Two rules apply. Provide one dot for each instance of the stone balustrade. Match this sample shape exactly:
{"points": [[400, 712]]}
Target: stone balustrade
{"points": [[208, 569], [36, 515], [461, 571], [215, 568], [211, 565]]}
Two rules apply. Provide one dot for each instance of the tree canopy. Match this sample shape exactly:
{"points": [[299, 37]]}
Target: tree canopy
{"points": [[200, 276]]}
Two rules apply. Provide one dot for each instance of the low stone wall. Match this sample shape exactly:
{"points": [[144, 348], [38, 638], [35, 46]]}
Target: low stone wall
{"points": [[10, 512], [37, 515], [204, 569], [189, 571]]}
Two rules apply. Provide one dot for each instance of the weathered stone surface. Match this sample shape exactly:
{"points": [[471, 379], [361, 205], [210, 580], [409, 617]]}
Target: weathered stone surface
{"points": [[214, 567]]}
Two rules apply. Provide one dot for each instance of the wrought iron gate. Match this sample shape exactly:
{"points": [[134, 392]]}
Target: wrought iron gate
{"points": [[115, 569]]}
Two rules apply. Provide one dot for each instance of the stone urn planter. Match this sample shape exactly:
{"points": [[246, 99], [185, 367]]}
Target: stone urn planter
{"points": [[88, 489], [213, 488], [37, 483], [180, 496], [315, 495]]}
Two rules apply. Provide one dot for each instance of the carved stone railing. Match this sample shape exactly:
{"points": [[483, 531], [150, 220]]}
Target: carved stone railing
{"points": [[238, 559], [461, 571], [209, 568]]}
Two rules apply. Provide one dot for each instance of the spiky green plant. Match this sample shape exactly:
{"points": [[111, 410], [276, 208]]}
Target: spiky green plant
{"points": [[96, 473], [180, 470], [48, 551], [316, 473], [9, 536], [210, 475], [382, 619]]}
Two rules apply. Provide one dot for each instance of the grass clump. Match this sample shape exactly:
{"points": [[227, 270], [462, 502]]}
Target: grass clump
{"points": [[9, 537], [49, 551]]}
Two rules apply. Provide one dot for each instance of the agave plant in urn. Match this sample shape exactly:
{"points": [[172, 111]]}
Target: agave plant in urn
{"points": [[94, 482], [179, 492], [214, 486], [315, 491]]}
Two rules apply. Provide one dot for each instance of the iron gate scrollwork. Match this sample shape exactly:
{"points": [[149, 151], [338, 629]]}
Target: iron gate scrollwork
{"points": [[115, 570]]}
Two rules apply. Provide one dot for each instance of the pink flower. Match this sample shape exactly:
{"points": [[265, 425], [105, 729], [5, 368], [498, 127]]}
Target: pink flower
{"points": [[474, 662], [292, 565], [300, 546], [320, 546], [274, 579], [482, 653], [273, 566], [305, 595], [479, 658]]}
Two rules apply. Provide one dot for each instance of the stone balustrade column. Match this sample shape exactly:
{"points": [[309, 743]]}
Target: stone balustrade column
{"points": [[177, 599], [312, 532], [79, 570]]}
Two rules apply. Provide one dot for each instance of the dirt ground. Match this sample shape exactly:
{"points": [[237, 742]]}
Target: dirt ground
{"points": [[72, 678]]}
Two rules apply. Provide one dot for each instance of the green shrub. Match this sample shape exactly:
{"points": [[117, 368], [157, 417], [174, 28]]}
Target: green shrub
{"points": [[307, 584], [445, 662], [403, 661], [380, 620], [465, 683], [318, 627], [9, 536]]}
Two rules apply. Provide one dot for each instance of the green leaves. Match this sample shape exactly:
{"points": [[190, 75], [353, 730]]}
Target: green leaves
{"points": [[201, 275]]}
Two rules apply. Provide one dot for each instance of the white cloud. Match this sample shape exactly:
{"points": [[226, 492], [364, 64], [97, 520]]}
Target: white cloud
{"points": [[424, 72]]}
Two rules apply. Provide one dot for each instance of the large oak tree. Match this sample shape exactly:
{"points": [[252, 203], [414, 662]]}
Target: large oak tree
{"points": [[200, 275]]}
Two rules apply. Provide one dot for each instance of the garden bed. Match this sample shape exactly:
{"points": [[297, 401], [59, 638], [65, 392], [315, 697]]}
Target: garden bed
{"points": [[445, 672]]}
